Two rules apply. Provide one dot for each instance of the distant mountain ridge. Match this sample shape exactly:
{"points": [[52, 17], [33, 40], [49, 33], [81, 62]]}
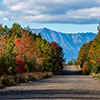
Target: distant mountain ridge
{"points": [[70, 43]]}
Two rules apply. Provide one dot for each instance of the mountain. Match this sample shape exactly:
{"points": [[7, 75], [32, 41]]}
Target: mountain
{"points": [[70, 43]]}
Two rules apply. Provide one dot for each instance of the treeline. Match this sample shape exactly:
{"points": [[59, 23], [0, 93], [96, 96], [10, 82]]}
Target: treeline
{"points": [[89, 56], [22, 51], [72, 62]]}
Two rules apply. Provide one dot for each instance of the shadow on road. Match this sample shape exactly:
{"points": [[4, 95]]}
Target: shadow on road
{"points": [[51, 94], [68, 86], [71, 70], [68, 72]]}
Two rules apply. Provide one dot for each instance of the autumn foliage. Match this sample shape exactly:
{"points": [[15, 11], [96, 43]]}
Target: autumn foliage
{"points": [[22, 51], [89, 56]]}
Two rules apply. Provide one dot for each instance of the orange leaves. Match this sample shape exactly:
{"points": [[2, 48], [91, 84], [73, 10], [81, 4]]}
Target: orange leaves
{"points": [[93, 55], [28, 45], [17, 43], [91, 61], [25, 51], [84, 66], [83, 53], [19, 68]]}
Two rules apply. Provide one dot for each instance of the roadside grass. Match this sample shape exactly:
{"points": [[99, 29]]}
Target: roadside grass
{"points": [[96, 76], [10, 80]]}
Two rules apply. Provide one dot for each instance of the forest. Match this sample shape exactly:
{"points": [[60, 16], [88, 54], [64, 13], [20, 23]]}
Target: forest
{"points": [[21, 51], [89, 56]]}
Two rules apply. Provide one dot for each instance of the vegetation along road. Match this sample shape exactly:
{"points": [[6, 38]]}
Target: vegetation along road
{"points": [[70, 86]]}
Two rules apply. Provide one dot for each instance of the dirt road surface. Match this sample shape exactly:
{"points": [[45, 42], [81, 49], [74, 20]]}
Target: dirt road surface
{"points": [[70, 86]]}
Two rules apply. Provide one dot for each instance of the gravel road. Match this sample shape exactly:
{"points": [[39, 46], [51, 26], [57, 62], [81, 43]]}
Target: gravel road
{"points": [[70, 86]]}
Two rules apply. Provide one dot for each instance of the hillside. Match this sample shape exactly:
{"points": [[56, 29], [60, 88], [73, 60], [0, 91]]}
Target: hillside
{"points": [[70, 43]]}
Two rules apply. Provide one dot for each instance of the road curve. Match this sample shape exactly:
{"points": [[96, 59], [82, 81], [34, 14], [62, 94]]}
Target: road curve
{"points": [[60, 87]]}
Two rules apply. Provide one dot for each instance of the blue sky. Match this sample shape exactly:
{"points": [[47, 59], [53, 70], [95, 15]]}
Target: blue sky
{"points": [[70, 16]]}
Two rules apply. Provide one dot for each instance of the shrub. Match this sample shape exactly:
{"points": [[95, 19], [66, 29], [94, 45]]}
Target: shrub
{"points": [[86, 68], [6, 82]]}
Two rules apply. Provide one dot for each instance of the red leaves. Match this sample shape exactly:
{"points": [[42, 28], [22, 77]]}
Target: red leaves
{"points": [[17, 43], [54, 44], [98, 60], [0, 25], [19, 61], [26, 31], [56, 47], [20, 68], [20, 50]]}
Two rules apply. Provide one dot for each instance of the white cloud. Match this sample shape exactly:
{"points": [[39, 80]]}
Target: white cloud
{"points": [[10, 2], [5, 19], [17, 6], [85, 13], [2, 13], [51, 11]]}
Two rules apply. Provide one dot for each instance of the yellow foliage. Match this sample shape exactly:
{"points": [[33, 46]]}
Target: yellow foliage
{"points": [[79, 68], [10, 69]]}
